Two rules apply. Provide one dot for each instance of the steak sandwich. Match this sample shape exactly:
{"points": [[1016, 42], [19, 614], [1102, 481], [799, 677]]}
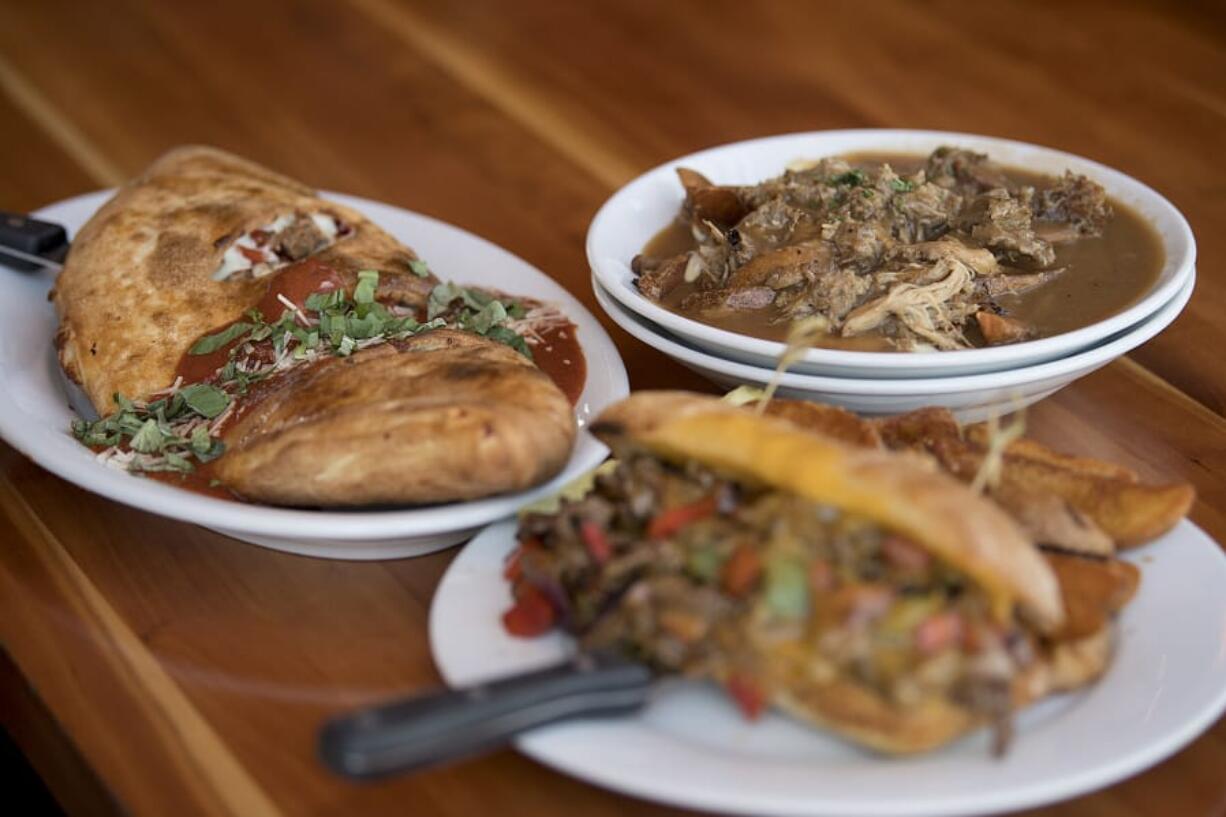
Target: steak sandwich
{"points": [[233, 328], [864, 591]]}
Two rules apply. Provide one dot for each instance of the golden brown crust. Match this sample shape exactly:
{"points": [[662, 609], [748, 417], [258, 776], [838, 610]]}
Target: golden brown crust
{"points": [[449, 416], [831, 421], [1064, 666], [445, 416], [858, 714], [137, 288], [1094, 591], [1129, 512], [903, 493]]}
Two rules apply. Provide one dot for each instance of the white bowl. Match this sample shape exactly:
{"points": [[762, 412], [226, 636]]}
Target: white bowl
{"points": [[35, 417], [972, 397], [639, 210]]}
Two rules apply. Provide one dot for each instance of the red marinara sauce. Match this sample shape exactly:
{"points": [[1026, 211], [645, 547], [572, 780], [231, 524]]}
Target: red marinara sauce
{"points": [[560, 356], [294, 283], [557, 353]]}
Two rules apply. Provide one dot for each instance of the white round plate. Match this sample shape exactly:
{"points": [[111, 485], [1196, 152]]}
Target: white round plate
{"points": [[691, 747], [972, 398], [35, 417], [646, 205]]}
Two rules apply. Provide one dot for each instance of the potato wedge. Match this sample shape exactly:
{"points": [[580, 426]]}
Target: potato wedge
{"points": [[1094, 590], [1036, 451], [1080, 504]]}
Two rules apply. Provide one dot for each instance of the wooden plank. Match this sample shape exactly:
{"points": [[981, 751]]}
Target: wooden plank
{"points": [[182, 765], [77, 790], [514, 122], [687, 76], [264, 646], [36, 171]]}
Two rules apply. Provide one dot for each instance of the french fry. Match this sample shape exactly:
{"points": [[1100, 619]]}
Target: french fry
{"points": [[1049, 519]]}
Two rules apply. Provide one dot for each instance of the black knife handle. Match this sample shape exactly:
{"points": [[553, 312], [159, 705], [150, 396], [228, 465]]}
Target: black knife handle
{"points": [[32, 237], [449, 725]]}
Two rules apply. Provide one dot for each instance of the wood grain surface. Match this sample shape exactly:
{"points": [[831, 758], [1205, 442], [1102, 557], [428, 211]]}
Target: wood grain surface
{"points": [[188, 670]]}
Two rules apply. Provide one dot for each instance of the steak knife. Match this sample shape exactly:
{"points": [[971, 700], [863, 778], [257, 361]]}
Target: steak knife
{"points": [[28, 245], [449, 725]]}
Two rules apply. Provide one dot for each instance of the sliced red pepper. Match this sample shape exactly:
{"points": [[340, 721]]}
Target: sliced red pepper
{"points": [[741, 571], [512, 569], [821, 576], [668, 522], [905, 554], [748, 696], [597, 541], [980, 636], [532, 614], [938, 631], [254, 256]]}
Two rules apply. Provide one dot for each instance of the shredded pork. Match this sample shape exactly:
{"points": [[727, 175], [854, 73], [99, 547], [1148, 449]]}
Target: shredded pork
{"points": [[909, 259]]}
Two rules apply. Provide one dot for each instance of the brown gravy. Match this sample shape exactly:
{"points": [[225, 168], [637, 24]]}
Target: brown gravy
{"points": [[1104, 274]]}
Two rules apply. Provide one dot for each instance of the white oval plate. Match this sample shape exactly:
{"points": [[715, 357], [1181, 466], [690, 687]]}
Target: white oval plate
{"points": [[972, 397], [646, 205], [690, 747], [35, 417]]}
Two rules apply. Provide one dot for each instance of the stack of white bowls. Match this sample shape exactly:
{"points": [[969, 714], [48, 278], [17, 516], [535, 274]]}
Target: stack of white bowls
{"points": [[974, 383]]}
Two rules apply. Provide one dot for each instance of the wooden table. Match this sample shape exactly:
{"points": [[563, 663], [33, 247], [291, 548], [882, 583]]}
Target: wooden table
{"points": [[157, 668]]}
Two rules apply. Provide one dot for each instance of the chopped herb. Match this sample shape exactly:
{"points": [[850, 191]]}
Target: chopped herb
{"points": [[200, 440], [479, 312], [484, 319], [325, 301], [445, 294], [787, 590], [510, 337], [419, 268], [155, 433], [207, 401], [902, 185], [211, 343], [178, 462], [704, 562], [150, 430], [148, 438], [852, 178], [364, 292]]}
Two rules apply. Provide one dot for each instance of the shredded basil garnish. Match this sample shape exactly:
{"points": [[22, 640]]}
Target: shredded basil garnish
{"points": [[211, 343], [207, 401], [149, 429], [340, 326]]}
